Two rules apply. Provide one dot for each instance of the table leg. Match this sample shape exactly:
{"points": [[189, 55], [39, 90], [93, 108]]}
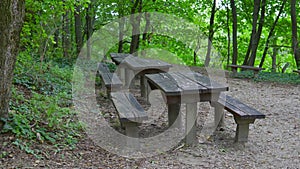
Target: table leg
{"points": [[122, 74], [219, 115], [174, 116], [190, 129], [143, 86], [129, 75]]}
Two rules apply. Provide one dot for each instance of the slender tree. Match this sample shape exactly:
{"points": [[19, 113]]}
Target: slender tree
{"points": [[78, 28], [256, 39], [10, 28], [210, 34], [66, 36], [271, 32], [295, 42], [89, 28], [234, 32], [135, 20], [254, 26], [228, 34], [121, 25]]}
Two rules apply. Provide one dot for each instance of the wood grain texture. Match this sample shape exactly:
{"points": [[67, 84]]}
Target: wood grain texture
{"points": [[128, 108], [238, 108]]}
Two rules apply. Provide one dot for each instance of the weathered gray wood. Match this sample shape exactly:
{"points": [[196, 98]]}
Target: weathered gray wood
{"points": [[242, 129], [174, 117], [254, 69], [117, 58], [135, 66], [219, 115], [297, 71], [103, 68], [190, 129], [131, 114], [246, 67], [110, 80], [176, 83], [243, 115], [238, 108], [185, 87], [128, 108]]}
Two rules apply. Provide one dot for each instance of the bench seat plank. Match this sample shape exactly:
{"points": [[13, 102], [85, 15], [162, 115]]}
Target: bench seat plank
{"points": [[243, 115], [297, 71], [110, 80], [129, 110], [238, 108], [246, 67]]}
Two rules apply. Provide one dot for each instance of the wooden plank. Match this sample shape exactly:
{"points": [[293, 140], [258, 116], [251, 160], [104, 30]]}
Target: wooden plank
{"points": [[246, 67], [117, 58], [164, 82], [111, 80], [297, 71], [129, 110], [206, 82], [187, 85], [138, 64], [239, 108], [103, 68]]}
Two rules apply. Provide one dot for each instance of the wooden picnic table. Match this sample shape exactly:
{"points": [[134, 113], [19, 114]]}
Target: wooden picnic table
{"points": [[185, 88], [134, 66], [117, 58]]}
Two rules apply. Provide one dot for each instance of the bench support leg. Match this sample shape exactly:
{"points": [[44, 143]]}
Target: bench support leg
{"points": [[131, 130], [242, 129], [143, 86]]}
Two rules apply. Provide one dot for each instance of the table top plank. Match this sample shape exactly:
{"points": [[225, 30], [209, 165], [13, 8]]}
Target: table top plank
{"points": [[136, 63], [176, 83]]}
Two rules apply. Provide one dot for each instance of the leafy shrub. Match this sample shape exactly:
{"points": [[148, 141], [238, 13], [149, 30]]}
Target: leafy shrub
{"points": [[41, 106]]}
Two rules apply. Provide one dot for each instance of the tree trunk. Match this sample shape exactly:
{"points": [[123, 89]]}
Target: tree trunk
{"points": [[78, 28], [253, 34], [147, 27], [146, 39], [10, 29], [228, 34], [121, 25], [234, 32], [135, 20], [89, 29], [295, 45], [66, 34], [274, 55], [258, 34], [271, 34], [210, 34]]}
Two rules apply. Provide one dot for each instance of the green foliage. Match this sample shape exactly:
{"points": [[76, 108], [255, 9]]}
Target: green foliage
{"points": [[282, 78], [41, 107]]}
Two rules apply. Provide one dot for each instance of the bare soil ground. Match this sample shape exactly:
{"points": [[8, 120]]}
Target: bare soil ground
{"points": [[274, 142]]}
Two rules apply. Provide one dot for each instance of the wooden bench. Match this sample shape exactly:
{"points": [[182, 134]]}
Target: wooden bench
{"points": [[297, 71], [254, 69], [131, 114], [109, 80], [243, 115]]}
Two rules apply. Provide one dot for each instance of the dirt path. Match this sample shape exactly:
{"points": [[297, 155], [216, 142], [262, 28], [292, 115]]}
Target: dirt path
{"points": [[274, 142]]}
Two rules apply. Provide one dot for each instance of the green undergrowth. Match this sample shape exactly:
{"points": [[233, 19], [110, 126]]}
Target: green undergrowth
{"points": [[41, 109], [282, 78]]}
